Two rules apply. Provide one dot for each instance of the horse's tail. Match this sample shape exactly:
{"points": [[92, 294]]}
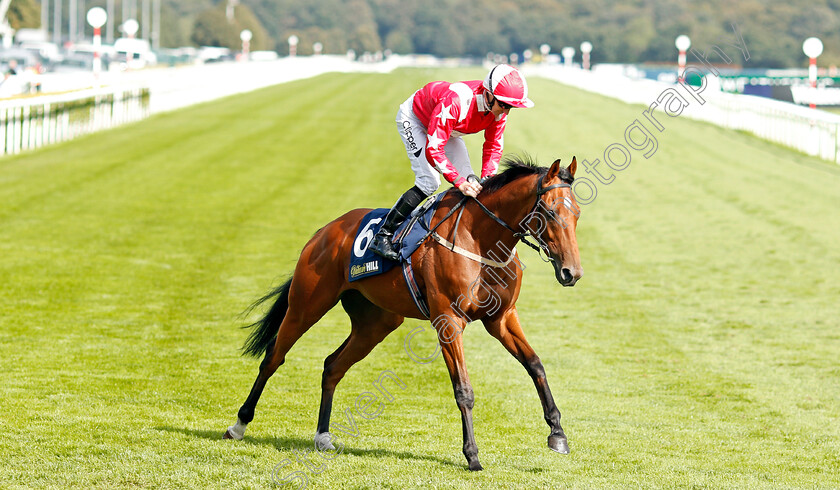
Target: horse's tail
{"points": [[265, 330]]}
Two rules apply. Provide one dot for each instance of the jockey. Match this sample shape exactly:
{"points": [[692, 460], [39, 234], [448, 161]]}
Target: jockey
{"points": [[431, 123]]}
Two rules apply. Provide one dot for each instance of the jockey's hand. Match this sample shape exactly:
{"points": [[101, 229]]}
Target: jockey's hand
{"points": [[470, 188]]}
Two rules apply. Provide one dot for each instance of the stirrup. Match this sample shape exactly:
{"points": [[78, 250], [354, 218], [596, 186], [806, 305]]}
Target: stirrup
{"points": [[384, 247]]}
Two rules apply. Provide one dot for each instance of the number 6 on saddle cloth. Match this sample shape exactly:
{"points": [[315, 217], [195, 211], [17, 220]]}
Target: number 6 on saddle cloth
{"points": [[407, 238]]}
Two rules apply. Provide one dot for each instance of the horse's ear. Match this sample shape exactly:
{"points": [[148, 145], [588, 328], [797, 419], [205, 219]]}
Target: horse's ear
{"points": [[572, 166], [554, 170]]}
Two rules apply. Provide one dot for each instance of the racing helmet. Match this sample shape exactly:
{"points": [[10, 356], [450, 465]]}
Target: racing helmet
{"points": [[507, 84]]}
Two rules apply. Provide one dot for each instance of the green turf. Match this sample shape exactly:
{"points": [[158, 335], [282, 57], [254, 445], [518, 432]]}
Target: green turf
{"points": [[700, 349]]}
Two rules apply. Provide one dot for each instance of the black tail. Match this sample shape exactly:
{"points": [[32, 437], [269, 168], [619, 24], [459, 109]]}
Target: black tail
{"points": [[265, 331]]}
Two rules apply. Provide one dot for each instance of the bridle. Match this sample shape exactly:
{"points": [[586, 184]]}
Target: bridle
{"points": [[520, 235], [523, 235]]}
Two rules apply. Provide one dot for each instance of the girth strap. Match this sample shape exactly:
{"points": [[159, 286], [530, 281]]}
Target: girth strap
{"points": [[413, 289]]}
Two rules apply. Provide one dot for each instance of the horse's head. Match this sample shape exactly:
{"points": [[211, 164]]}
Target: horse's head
{"points": [[557, 213]]}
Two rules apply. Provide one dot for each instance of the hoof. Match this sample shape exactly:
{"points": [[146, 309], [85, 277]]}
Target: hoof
{"points": [[323, 442], [559, 444], [229, 434], [475, 466]]}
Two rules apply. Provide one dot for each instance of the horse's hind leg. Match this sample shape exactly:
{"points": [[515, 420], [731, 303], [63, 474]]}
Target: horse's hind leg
{"points": [[308, 301], [370, 325]]}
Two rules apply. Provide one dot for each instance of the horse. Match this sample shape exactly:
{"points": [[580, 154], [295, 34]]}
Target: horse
{"points": [[490, 225]]}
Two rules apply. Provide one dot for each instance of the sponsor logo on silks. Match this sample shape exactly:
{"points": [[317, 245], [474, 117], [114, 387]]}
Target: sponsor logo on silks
{"points": [[366, 268], [409, 138]]}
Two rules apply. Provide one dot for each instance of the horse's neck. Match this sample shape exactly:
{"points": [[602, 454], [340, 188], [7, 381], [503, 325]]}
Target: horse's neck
{"points": [[510, 204]]}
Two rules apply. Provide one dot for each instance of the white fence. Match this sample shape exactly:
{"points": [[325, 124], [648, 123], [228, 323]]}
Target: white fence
{"points": [[810, 131], [30, 123]]}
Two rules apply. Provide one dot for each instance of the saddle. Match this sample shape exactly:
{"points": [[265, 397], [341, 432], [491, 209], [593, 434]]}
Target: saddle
{"points": [[407, 238]]}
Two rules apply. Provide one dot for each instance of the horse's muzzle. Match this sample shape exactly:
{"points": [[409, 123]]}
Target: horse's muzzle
{"points": [[567, 276]]}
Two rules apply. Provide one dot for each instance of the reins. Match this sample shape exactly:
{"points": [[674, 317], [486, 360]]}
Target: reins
{"points": [[450, 213], [519, 235], [522, 235]]}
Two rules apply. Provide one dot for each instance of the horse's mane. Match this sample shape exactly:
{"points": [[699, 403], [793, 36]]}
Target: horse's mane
{"points": [[516, 166]]}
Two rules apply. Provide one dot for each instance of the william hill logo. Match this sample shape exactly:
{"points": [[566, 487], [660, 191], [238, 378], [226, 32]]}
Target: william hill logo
{"points": [[366, 268]]}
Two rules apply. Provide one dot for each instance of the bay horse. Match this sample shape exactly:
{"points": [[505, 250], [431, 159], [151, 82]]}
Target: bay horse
{"points": [[501, 215]]}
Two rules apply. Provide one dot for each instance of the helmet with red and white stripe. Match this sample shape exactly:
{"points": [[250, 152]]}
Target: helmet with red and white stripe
{"points": [[508, 85]]}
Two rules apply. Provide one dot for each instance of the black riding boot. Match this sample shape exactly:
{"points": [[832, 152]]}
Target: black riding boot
{"points": [[381, 243]]}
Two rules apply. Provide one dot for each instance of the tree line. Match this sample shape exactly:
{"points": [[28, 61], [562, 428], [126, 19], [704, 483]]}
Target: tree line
{"points": [[633, 31]]}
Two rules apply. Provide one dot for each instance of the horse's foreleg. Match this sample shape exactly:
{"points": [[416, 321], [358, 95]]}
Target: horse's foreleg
{"points": [[453, 353], [507, 329]]}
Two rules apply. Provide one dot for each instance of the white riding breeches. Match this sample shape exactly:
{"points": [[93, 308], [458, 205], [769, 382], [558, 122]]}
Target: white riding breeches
{"points": [[413, 134]]}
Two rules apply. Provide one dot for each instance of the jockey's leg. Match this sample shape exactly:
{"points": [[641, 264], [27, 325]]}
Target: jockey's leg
{"points": [[426, 182], [456, 152], [382, 244]]}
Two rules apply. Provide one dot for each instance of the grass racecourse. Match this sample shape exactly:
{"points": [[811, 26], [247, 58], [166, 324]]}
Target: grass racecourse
{"points": [[701, 349]]}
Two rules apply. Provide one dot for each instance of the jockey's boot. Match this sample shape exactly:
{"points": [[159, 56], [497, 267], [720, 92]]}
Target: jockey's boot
{"points": [[381, 244]]}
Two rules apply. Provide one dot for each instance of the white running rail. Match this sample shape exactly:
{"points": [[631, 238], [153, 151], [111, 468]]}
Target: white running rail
{"points": [[810, 131], [31, 123]]}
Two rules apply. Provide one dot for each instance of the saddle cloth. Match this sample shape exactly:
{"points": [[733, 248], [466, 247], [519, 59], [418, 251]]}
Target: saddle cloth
{"points": [[407, 238]]}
